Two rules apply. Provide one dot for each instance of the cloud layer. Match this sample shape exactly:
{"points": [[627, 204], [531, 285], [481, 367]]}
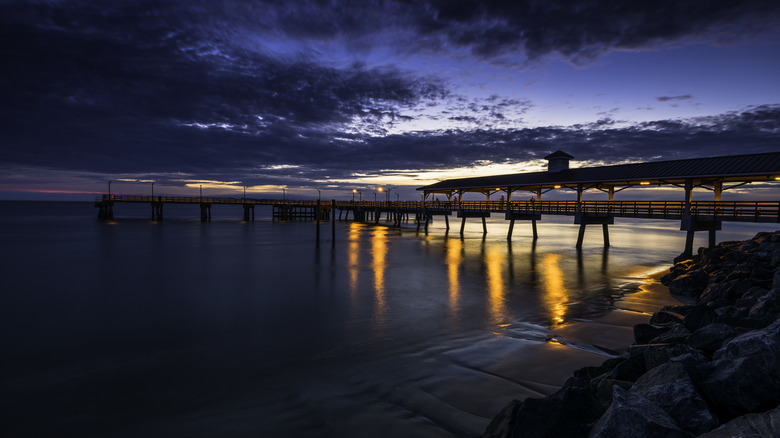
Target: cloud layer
{"points": [[246, 90]]}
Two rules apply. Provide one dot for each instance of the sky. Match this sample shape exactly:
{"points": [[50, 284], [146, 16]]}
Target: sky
{"points": [[340, 95]]}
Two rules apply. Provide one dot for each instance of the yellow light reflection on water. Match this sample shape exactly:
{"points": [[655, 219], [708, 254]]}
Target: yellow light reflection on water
{"points": [[555, 293], [354, 259], [379, 264], [494, 262], [454, 249]]}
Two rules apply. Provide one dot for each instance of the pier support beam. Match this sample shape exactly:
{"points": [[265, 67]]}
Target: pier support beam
{"points": [[583, 220], [481, 214], [580, 236], [249, 210], [691, 224], [205, 212], [157, 211], [105, 210], [512, 216]]}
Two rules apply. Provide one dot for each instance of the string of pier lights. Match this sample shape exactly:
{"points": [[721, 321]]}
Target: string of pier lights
{"points": [[379, 189]]}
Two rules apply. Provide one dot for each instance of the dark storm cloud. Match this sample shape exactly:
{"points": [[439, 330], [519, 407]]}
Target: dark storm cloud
{"points": [[583, 29], [577, 29], [210, 88], [136, 86], [754, 130]]}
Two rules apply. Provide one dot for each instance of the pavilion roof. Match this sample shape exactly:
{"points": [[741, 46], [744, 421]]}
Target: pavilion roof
{"points": [[732, 168]]}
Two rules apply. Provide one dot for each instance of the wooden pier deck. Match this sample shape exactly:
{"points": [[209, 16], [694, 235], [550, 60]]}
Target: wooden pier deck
{"points": [[694, 215]]}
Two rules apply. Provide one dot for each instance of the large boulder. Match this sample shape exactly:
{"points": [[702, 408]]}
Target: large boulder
{"points": [[690, 284], [698, 317], [569, 412], [766, 306], [666, 316], [745, 374], [677, 335], [724, 292], [631, 415], [644, 333], [669, 387], [711, 337], [659, 354], [502, 424], [761, 425]]}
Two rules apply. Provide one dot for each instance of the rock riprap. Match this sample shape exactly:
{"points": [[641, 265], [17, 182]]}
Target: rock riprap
{"points": [[705, 369]]}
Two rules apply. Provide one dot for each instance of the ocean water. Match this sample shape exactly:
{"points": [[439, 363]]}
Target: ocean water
{"points": [[177, 328]]}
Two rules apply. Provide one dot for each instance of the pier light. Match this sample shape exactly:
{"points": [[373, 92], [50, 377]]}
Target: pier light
{"points": [[498, 189], [644, 183], [557, 186], [777, 178]]}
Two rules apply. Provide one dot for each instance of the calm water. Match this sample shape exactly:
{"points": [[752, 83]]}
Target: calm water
{"points": [[133, 328]]}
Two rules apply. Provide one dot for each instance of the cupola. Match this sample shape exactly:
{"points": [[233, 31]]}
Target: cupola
{"points": [[558, 161]]}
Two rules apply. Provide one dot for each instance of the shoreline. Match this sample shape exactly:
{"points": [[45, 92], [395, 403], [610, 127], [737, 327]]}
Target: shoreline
{"points": [[707, 365]]}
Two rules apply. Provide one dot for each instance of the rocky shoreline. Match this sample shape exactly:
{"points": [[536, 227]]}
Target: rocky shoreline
{"points": [[709, 369]]}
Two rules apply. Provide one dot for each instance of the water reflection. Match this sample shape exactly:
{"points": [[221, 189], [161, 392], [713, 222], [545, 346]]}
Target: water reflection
{"points": [[454, 250], [379, 264], [552, 284], [353, 265], [494, 259]]}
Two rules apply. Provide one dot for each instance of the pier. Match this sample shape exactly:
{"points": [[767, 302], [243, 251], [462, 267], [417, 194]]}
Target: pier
{"points": [[715, 174]]}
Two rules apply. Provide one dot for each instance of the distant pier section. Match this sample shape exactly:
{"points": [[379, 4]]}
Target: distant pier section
{"points": [[716, 174]]}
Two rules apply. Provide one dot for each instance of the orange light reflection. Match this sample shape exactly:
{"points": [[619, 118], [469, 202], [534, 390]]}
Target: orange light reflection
{"points": [[354, 259], [379, 252], [454, 259], [555, 293], [494, 261]]}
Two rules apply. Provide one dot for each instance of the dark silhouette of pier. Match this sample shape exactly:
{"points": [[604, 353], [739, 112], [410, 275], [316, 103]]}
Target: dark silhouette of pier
{"points": [[709, 173]]}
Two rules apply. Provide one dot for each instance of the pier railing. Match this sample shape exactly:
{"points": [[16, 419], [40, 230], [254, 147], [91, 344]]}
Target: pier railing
{"points": [[742, 211]]}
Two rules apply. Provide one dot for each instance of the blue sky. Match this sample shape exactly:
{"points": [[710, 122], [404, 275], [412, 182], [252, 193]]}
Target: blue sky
{"points": [[337, 95]]}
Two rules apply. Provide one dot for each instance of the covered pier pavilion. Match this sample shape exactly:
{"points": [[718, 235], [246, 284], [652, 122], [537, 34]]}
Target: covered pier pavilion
{"points": [[716, 174]]}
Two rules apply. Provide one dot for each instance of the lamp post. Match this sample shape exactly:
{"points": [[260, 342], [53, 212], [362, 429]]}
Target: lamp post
{"points": [[397, 197], [284, 194], [152, 190], [353, 194], [319, 194], [201, 193], [244, 194], [109, 189]]}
